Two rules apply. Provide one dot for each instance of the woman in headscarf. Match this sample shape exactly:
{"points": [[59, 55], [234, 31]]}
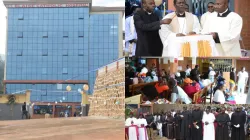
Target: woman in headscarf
{"points": [[219, 97], [219, 79]]}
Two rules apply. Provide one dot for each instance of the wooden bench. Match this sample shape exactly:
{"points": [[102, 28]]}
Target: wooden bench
{"points": [[203, 93], [133, 88], [210, 97]]}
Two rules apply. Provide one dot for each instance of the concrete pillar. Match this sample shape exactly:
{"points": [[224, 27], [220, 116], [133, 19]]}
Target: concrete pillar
{"points": [[234, 63], [164, 64], [4, 88], [173, 65], [54, 110], [27, 96], [193, 62]]}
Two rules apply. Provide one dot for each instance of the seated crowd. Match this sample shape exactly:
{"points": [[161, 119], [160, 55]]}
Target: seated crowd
{"points": [[160, 87]]}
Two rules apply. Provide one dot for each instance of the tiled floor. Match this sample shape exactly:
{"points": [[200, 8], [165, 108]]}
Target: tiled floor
{"points": [[239, 99]]}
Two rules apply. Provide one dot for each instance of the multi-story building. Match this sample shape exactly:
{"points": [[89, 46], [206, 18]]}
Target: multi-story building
{"points": [[55, 43]]}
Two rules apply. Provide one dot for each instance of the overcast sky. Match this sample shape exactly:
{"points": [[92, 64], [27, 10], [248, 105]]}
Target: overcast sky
{"points": [[3, 12], [2, 28]]}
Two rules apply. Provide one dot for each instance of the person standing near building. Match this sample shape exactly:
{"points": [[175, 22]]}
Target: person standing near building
{"points": [[169, 131], [185, 124], [238, 120], [131, 122], [142, 123], [211, 74], [222, 120], [242, 81], [150, 121], [24, 110], [196, 123], [130, 33], [208, 121], [177, 125], [210, 9], [147, 25]]}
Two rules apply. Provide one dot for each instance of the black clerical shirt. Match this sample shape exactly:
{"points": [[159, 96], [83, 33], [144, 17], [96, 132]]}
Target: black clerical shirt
{"points": [[147, 26]]}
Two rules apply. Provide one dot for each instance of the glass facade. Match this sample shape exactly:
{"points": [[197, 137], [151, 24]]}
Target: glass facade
{"points": [[58, 44]]}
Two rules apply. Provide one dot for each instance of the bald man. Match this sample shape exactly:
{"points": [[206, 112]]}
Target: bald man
{"points": [[225, 27]]}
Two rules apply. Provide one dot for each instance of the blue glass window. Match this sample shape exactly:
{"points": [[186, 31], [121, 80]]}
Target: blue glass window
{"points": [[81, 16], [45, 34], [65, 34], [59, 86], [65, 52], [20, 35], [65, 71], [20, 17], [44, 70], [19, 52], [45, 52], [80, 34], [80, 52]]}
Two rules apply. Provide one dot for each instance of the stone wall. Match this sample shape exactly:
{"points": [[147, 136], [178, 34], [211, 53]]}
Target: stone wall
{"points": [[109, 91]]}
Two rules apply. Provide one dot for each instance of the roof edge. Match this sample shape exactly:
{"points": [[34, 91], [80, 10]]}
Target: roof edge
{"points": [[13, 2], [107, 9]]}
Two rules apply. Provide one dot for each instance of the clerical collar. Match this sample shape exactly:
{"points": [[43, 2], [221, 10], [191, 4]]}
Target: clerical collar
{"points": [[147, 12], [224, 14], [181, 15]]}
